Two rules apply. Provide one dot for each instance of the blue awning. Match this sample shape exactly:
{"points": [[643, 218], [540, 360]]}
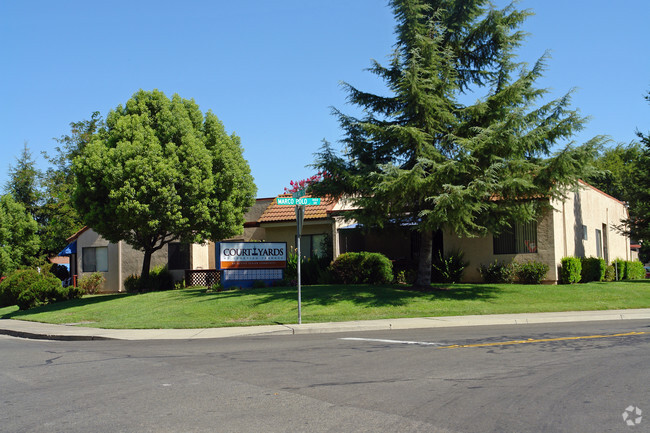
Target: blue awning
{"points": [[70, 249]]}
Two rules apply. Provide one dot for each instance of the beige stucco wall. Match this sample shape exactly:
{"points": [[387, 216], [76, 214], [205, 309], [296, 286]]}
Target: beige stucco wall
{"points": [[595, 210], [559, 234], [480, 251], [123, 260]]}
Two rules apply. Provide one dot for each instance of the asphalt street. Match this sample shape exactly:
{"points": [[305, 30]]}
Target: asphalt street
{"points": [[563, 377]]}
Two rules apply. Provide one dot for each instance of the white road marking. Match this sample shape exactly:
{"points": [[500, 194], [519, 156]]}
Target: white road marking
{"points": [[379, 340]]}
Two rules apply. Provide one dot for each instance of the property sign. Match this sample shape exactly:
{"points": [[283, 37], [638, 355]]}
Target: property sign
{"points": [[252, 255], [302, 201]]}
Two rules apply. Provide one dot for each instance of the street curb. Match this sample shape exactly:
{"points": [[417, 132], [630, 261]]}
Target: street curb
{"points": [[57, 337], [45, 331]]}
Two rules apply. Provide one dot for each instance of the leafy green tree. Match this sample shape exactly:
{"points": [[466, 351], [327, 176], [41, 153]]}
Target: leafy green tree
{"points": [[162, 171], [639, 222], [24, 183], [421, 155], [19, 241], [617, 170], [59, 217]]}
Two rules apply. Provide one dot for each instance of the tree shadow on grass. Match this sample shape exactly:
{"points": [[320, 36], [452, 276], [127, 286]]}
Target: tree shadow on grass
{"points": [[63, 305], [364, 295]]}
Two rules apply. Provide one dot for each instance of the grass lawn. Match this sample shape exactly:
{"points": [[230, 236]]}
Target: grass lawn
{"points": [[194, 308]]}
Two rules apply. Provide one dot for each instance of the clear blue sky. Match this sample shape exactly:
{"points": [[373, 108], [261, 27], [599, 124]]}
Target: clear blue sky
{"points": [[270, 70]]}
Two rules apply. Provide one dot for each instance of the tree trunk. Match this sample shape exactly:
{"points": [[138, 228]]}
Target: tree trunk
{"points": [[424, 261], [144, 275]]}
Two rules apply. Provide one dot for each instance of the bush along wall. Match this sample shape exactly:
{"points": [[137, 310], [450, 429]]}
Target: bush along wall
{"points": [[531, 272], [593, 269], [498, 272], [635, 271], [570, 270], [361, 268], [574, 270]]}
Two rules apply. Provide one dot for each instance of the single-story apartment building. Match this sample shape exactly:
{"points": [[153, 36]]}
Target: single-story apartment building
{"points": [[585, 224], [89, 253]]}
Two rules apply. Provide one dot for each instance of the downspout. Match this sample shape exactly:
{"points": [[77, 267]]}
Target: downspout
{"points": [[564, 228], [120, 281], [607, 234]]}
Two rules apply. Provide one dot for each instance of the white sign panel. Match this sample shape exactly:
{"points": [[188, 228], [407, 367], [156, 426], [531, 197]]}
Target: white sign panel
{"points": [[252, 255]]}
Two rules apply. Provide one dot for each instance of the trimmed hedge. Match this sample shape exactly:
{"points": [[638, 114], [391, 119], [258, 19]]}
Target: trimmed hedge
{"points": [[593, 269], [361, 268], [635, 271], [570, 270]]}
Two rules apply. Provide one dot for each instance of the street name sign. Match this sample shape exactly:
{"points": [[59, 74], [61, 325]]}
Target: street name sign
{"points": [[303, 201]]}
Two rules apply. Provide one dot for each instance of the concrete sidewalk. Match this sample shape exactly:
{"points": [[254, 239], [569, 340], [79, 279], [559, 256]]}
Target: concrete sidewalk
{"points": [[20, 328]]}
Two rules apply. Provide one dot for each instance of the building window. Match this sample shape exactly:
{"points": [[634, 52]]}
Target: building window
{"points": [[584, 233], [312, 246], [599, 244], [94, 259], [178, 256], [518, 239]]}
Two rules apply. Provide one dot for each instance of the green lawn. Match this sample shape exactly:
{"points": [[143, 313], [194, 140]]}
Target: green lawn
{"points": [[194, 308]]}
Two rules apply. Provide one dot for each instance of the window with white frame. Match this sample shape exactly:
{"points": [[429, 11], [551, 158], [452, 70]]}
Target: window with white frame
{"points": [[94, 259]]}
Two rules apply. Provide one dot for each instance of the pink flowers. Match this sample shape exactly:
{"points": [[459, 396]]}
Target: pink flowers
{"points": [[304, 183]]}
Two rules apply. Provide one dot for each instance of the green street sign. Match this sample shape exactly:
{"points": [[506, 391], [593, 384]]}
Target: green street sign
{"points": [[303, 201]]}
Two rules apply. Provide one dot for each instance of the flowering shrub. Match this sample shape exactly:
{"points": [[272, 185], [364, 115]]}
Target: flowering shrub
{"points": [[304, 183]]}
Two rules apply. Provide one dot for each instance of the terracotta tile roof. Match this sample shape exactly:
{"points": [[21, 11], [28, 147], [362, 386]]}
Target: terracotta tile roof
{"points": [[281, 213]]}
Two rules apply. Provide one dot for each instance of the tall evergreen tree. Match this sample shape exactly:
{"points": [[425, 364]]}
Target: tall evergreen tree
{"points": [[422, 155], [24, 183]]}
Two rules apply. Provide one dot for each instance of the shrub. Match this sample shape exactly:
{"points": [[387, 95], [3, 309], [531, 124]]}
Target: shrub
{"points": [[570, 270], [345, 269], [531, 272], [259, 284], [90, 283], [132, 284], [377, 268], [635, 271], [448, 268], [29, 288], [610, 273], [160, 279], [497, 272], [15, 283], [593, 269], [312, 270], [361, 268]]}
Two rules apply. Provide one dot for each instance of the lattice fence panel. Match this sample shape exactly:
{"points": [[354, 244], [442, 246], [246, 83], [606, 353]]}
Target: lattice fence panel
{"points": [[202, 277]]}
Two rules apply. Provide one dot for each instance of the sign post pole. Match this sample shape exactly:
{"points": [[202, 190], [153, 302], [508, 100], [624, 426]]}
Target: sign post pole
{"points": [[300, 202], [300, 214]]}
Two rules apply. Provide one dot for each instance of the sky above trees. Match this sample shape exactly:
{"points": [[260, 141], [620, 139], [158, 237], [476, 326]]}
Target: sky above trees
{"points": [[271, 70]]}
